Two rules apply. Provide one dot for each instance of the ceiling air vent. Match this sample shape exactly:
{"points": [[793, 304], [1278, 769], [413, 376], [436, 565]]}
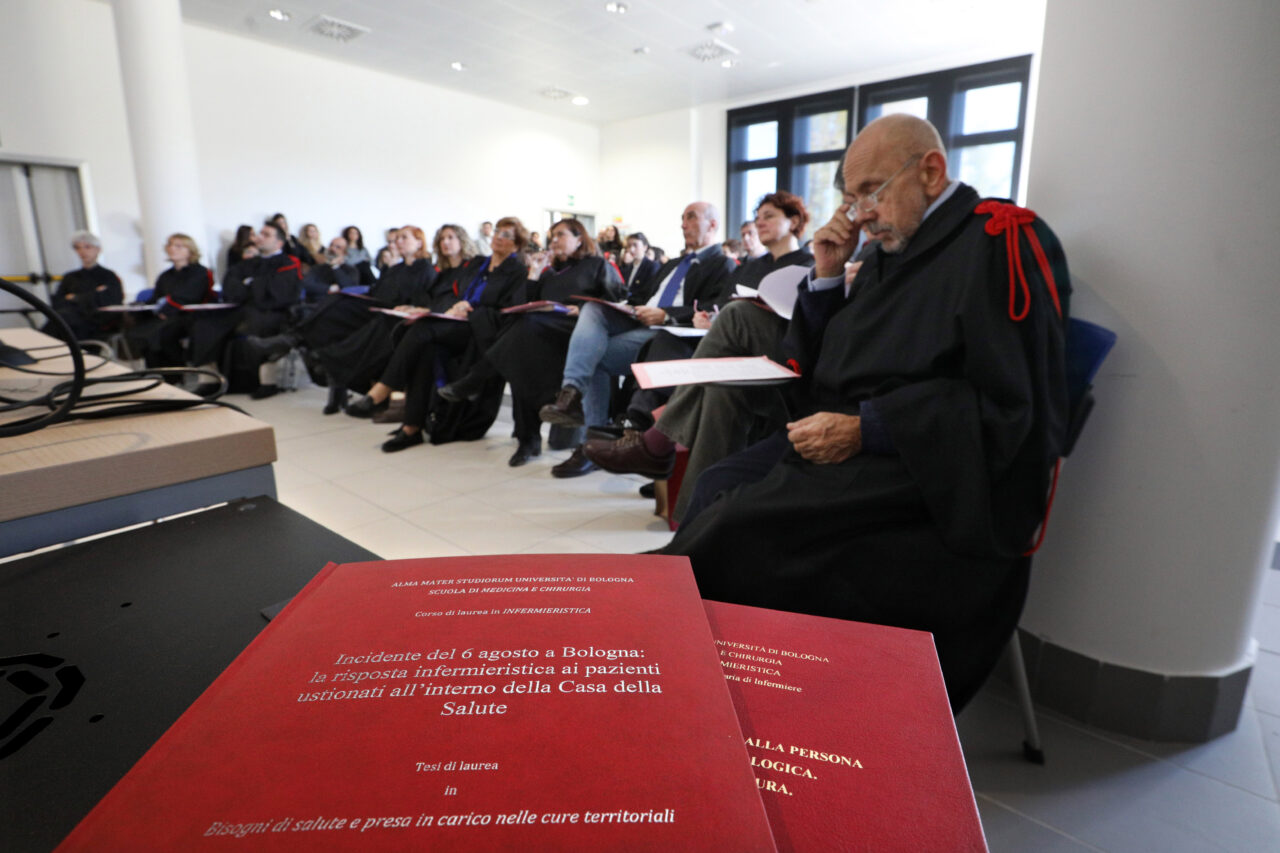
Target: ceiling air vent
{"points": [[555, 93], [333, 28], [712, 51]]}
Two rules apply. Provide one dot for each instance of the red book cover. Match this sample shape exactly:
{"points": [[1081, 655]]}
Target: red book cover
{"points": [[541, 305], [622, 307], [550, 702], [850, 733]]}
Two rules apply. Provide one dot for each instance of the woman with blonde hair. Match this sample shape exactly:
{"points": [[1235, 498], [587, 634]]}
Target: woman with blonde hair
{"points": [[309, 237], [186, 282], [435, 349]]}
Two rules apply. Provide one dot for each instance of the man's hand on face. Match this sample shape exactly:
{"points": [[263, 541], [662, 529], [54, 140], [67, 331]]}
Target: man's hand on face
{"points": [[834, 243], [826, 437]]}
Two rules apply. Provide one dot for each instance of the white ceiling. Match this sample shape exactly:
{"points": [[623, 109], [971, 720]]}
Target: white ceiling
{"points": [[514, 49]]}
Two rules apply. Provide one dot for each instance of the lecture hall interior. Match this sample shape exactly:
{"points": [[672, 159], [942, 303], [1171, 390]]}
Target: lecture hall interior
{"points": [[1140, 132]]}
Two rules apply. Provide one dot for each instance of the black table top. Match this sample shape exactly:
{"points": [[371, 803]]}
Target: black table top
{"points": [[104, 644]]}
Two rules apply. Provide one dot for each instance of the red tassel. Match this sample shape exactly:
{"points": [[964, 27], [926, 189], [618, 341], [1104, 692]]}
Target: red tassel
{"points": [[1012, 220], [794, 365]]}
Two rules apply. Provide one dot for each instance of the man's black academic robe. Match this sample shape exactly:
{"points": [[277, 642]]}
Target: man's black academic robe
{"points": [[79, 296], [929, 533]]}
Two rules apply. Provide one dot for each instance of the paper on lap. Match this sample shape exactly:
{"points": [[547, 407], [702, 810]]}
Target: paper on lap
{"points": [[691, 371], [777, 290]]}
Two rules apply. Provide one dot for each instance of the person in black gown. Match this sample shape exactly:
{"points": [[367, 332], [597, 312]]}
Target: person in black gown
{"points": [[188, 282], [82, 292], [530, 351], [437, 348], [909, 488]]}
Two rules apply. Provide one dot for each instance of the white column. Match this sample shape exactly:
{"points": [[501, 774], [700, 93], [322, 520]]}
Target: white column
{"points": [[1156, 163], [161, 130]]}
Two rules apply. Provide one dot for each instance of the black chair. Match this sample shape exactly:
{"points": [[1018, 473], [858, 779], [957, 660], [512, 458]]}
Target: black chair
{"points": [[1087, 346]]}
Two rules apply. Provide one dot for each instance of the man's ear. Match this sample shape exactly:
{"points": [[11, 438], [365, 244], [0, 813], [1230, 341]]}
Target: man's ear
{"points": [[933, 172]]}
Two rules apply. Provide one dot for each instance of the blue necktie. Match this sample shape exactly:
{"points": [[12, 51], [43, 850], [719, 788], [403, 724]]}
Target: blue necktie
{"points": [[673, 286]]}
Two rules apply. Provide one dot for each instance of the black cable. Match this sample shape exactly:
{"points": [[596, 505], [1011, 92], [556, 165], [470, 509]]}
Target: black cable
{"points": [[120, 405], [77, 361]]}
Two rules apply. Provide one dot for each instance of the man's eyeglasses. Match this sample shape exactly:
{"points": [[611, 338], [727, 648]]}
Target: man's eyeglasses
{"points": [[867, 203]]}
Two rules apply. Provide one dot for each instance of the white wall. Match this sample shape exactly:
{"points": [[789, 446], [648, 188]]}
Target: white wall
{"points": [[320, 140], [335, 144], [61, 98], [1156, 167]]}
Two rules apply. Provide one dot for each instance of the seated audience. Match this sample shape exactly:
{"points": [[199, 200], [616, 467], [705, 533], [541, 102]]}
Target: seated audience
{"points": [[438, 349], [292, 245], [610, 241], [637, 266], [244, 239], [605, 341], [455, 252], [909, 485], [751, 240], [714, 421], [483, 238], [82, 292], [309, 239], [529, 352], [333, 271], [159, 337], [358, 256], [266, 288]]}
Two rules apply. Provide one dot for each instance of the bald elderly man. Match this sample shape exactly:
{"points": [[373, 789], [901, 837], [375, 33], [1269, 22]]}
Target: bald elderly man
{"points": [[605, 342], [912, 481]]}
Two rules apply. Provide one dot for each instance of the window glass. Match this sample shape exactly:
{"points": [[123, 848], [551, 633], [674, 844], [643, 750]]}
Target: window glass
{"points": [[987, 168], [815, 184], [821, 132], [756, 141], [749, 186], [918, 107], [991, 108]]}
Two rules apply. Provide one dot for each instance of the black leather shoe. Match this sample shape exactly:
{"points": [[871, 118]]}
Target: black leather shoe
{"points": [[337, 401], [526, 451], [262, 392], [563, 437], [575, 466], [273, 347], [401, 440], [566, 410], [465, 388], [648, 490], [366, 408]]}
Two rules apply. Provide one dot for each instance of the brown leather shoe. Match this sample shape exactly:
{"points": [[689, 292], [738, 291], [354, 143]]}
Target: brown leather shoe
{"points": [[566, 410], [575, 466], [628, 455]]}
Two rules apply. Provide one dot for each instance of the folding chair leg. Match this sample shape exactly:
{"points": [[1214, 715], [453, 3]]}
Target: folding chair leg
{"points": [[1031, 749]]}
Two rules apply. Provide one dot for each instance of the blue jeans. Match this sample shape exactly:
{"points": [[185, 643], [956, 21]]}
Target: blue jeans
{"points": [[604, 344]]}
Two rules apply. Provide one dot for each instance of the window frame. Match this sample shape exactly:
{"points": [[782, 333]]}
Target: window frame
{"points": [[945, 90], [786, 160]]}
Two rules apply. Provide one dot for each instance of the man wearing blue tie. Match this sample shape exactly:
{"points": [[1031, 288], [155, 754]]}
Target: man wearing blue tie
{"points": [[605, 341]]}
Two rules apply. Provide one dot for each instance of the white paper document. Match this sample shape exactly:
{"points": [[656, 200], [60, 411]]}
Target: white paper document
{"points": [[691, 371], [777, 289]]}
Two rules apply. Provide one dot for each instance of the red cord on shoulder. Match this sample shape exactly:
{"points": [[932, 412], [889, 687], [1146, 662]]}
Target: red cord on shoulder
{"points": [[296, 266], [1011, 220]]}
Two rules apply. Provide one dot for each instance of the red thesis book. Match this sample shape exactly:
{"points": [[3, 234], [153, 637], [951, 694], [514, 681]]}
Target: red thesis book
{"points": [[621, 307], [566, 702], [540, 306], [850, 733]]}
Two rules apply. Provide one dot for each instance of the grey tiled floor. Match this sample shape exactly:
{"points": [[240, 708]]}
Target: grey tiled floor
{"points": [[1097, 791]]}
